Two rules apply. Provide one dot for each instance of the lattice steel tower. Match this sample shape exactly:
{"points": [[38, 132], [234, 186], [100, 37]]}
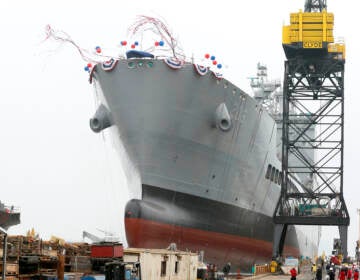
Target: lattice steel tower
{"points": [[313, 126]]}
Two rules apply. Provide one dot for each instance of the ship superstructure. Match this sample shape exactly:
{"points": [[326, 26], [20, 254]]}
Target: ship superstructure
{"points": [[269, 94]]}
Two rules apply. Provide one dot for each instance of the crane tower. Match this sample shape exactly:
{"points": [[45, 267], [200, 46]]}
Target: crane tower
{"points": [[313, 126]]}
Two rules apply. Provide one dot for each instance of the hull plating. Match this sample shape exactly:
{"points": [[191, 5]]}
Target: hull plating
{"points": [[211, 191], [224, 232]]}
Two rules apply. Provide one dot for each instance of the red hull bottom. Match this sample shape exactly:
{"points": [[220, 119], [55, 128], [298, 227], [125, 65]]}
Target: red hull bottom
{"points": [[219, 248]]}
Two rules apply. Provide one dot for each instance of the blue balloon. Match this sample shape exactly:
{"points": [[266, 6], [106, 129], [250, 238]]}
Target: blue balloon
{"points": [[136, 43], [212, 57], [219, 66], [161, 43], [86, 68], [97, 47]]}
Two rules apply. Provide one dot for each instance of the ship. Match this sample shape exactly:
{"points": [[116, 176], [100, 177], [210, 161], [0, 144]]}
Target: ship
{"points": [[207, 157], [202, 157], [9, 216]]}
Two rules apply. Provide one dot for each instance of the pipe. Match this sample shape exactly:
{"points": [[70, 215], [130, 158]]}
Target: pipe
{"points": [[101, 120], [222, 117]]}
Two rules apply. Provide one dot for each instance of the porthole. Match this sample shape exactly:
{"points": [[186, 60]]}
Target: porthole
{"points": [[268, 171], [131, 64], [272, 176]]}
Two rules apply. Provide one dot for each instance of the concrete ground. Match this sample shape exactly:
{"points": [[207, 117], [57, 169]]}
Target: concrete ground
{"points": [[305, 274]]}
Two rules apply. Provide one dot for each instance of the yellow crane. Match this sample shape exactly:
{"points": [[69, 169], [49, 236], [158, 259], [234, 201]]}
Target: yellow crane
{"points": [[310, 32], [313, 123]]}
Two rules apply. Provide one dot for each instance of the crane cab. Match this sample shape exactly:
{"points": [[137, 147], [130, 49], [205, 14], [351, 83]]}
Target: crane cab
{"points": [[311, 34]]}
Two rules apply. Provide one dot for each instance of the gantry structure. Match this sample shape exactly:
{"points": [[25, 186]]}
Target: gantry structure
{"points": [[313, 126]]}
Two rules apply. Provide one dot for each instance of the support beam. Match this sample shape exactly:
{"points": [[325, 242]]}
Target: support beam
{"points": [[343, 232], [312, 147], [279, 239]]}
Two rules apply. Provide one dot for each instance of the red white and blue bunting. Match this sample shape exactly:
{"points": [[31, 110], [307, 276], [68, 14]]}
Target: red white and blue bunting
{"points": [[217, 75], [201, 70], [93, 69], [109, 65], [174, 62]]}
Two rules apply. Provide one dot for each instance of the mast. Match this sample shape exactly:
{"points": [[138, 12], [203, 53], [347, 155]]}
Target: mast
{"points": [[314, 6]]}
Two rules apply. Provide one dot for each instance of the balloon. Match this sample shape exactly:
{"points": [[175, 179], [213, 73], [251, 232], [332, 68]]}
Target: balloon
{"points": [[157, 43], [86, 68], [123, 43], [212, 57], [214, 62], [207, 56], [133, 46], [161, 43], [219, 66], [89, 65], [136, 43]]}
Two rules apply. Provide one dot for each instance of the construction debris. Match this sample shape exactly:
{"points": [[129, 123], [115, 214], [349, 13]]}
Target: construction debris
{"points": [[30, 257]]}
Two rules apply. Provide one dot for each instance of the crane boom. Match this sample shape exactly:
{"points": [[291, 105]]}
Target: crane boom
{"points": [[91, 236]]}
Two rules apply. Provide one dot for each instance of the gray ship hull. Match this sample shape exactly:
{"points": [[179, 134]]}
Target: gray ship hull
{"points": [[203, 139]]}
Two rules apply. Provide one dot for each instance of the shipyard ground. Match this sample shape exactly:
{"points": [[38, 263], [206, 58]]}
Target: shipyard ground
{"points": [[304, 275]]}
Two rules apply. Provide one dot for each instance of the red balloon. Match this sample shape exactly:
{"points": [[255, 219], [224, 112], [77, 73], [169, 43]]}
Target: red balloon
{"points": [[214, 62], [207, 56], [133, 46], [157, 44], [89, 65], [98, 50], [124, 43]]}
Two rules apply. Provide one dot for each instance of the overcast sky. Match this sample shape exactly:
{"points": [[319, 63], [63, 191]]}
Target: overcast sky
{"points": [[64, 177]]}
